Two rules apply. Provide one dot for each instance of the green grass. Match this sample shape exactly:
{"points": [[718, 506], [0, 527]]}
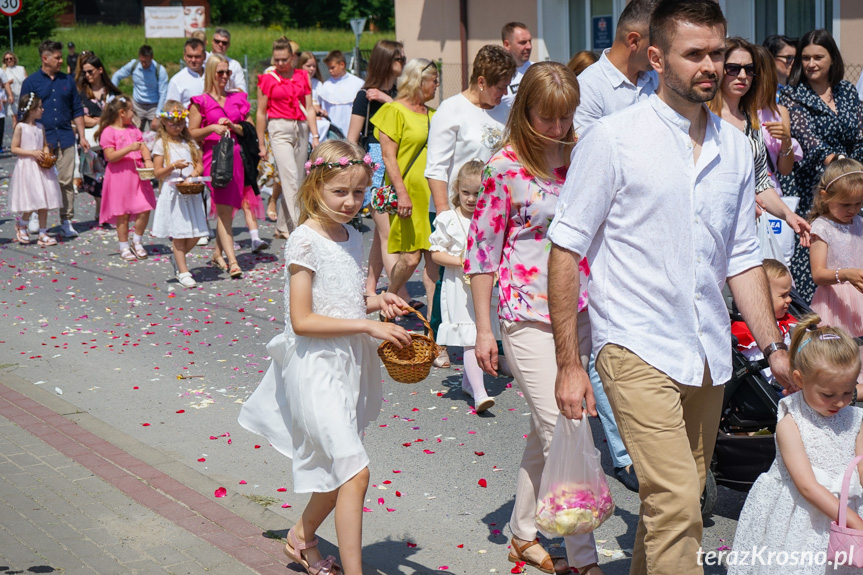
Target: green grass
{"points": [[116, 45]]}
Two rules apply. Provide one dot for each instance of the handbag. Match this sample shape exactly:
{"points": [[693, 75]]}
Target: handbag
{"points": [[845, 546], [222, 169], [573, 494], [385, 200]]}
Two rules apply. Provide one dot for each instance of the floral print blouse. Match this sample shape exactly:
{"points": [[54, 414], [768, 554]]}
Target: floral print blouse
{"points": [[508, 235]]}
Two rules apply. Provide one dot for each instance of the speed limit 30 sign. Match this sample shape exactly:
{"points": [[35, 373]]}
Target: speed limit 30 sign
{"points": [[10, 7]]}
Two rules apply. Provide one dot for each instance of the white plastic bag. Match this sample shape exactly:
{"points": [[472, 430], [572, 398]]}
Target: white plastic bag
{"points": [[573, 494]]}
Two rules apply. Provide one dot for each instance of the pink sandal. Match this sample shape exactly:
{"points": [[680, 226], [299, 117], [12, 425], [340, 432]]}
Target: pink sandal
{"points": [[22, 236], [45, 241], [294, 549]]}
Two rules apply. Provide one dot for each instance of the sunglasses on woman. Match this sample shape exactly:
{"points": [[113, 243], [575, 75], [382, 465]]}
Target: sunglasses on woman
{"points": [[787, 59], [224, 73], [400, 59], [733, 70]]}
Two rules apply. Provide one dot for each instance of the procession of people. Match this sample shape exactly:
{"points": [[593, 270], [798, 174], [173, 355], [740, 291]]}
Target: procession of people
{"points": [[575, 232]]}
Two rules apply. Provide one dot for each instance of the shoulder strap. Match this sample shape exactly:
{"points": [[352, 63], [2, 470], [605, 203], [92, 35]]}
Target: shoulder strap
{"points": [[420, 151], [368, 110]]}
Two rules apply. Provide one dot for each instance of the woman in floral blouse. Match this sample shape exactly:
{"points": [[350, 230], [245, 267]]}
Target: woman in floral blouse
{"points": [[507, 237], [827, 120]]}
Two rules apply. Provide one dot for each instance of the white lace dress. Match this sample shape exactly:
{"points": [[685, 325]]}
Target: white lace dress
{"points": [[320, 393], [458, 319], [776, 516]]}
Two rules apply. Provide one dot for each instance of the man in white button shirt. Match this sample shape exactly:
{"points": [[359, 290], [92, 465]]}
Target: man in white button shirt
{"points": [[221, 43], [189, 82], [623, 75], [517, 41], [660, 197]]}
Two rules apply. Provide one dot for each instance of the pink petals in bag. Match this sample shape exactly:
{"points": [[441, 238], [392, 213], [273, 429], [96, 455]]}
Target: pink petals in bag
{"points": [[846, 544], [574, 496]]}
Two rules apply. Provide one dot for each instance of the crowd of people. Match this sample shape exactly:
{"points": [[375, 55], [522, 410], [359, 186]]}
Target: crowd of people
{"points": [[561, 213]]}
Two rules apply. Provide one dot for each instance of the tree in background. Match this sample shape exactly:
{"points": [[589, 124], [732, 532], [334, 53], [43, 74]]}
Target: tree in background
{"points": [[318, 14], [36, 21], [380, 12], [258, 12]]}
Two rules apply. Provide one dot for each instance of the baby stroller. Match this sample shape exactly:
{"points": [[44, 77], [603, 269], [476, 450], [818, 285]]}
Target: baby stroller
{"points": [[745, 446]]}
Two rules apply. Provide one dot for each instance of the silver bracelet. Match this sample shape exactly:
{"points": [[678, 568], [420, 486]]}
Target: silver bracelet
{"points": [[838, 281], [786, 154]]}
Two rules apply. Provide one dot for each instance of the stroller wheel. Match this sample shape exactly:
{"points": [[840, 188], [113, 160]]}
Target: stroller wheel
{"points": [[708, 497]]}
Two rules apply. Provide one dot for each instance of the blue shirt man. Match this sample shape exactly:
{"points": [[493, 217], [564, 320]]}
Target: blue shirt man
{"points": [[150, 83], [62, 106]]}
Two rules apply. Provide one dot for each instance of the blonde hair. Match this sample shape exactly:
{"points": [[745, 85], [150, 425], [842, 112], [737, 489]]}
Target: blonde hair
{"points": [[775, 269], [411, 81], [842, 180], [210, 71], [330, 152], [185, 134], [549, 88], [470, 169], [815, 347]]}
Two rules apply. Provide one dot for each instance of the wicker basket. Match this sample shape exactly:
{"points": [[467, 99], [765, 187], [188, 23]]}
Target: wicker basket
{"points": [[146, 173], [48, 160], [413, 362], [190, 189]]}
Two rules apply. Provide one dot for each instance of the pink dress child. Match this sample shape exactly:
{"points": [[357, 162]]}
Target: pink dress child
{"points": [[123, 192], [33, 187], [840, 305], [235, 109]]}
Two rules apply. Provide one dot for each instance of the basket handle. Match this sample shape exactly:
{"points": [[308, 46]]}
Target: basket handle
{"points": [[422, 319], [843, 497]]}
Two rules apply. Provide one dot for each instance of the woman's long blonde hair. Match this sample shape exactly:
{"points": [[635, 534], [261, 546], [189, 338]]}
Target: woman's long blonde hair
{"points": [[843, 179], [185, 135], [551, 90], [210, 71]]}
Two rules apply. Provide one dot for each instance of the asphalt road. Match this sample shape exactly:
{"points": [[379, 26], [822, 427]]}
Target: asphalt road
{"points": [[171, 366]]}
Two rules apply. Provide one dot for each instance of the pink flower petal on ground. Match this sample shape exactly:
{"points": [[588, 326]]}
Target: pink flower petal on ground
{"points": [[201, 460], [390, 510], [398, 493], [285, 506], [428, 451], [242, 481], [181, 411], [443, 568], [411, 545], [380, 500], [387, 482], [482, 483], [395, 471], [145, 425], [221, 492], [282, 489], [366, 510]]}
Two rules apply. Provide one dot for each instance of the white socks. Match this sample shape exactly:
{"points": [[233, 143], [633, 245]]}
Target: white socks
{"points": [[136, 238], [255, 236], [124, 246], [472, 378]]}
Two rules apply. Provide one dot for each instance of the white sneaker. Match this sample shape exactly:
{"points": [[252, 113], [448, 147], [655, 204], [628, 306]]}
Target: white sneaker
{"points": [[67, 230], [186, 280], [203, 241], [33, 224], [259, 245], [483, 403]]}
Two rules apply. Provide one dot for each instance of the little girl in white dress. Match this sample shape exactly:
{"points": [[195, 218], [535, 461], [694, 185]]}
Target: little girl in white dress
{"points": [[448, 242], [790, 507], [324, 384]]}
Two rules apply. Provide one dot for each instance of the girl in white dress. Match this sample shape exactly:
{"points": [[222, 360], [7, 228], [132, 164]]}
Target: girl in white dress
{"points": [[789, 509], [32, 188], [181, 217], [324, 383], [448, 242]]}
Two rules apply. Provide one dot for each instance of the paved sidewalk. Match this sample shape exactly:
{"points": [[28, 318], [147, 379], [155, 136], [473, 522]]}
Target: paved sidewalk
{"points": [[72, 502]]}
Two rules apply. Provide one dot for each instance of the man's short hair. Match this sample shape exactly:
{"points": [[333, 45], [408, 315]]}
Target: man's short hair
{"points": [[636, 15], [335, 57], [223, 33], [668, 13], [193, 43], [50, 46], [145, 51], [509, 28]]}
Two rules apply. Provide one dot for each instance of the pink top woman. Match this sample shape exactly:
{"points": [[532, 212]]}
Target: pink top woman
{"points": [[235, 109]]}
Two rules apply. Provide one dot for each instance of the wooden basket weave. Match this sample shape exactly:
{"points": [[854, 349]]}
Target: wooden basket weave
{"points": [[413, 362], [190, 189], [48, 160]]}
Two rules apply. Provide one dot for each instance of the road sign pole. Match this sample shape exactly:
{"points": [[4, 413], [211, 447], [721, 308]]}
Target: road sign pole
{"points": [[11, 44], [357, 25]]}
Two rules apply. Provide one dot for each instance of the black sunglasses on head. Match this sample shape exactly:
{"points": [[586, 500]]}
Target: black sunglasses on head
{"points": [[734, 70]]}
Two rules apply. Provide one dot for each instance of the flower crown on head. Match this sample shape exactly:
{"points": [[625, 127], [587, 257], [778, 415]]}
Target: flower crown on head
{"points": [[175, 115], [23, 112], [343, 162]]}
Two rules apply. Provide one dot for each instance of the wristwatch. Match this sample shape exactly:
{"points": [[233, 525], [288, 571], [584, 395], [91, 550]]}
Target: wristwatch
{"points": [[776, 345]]}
